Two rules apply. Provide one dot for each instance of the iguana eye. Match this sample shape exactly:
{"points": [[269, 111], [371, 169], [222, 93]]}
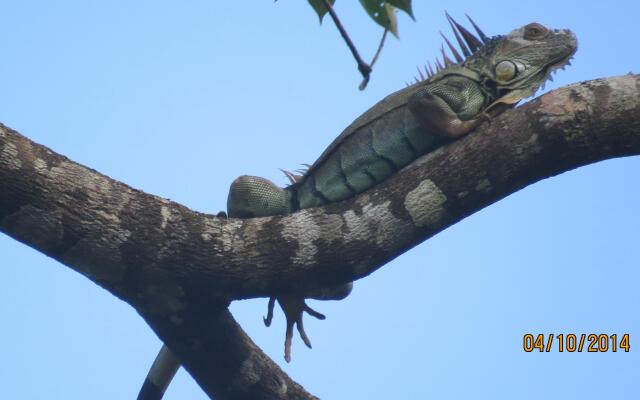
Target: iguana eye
{"points": [[506, 70], [535, 31]]}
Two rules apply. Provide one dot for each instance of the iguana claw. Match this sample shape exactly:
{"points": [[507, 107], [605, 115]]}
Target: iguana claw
{"points": [[293, 306], [267, 320], [493, 111]]}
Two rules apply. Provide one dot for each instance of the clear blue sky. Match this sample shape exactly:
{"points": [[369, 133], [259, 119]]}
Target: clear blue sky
{"points": [[177, 99]]}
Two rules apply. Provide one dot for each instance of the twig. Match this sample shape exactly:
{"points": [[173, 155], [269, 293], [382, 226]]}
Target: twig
{"points": [[375, 56], [363, 67], [365, 81]]}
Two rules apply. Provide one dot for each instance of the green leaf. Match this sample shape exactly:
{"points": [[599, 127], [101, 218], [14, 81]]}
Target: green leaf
{"points": [[404, 5], [384, 14], [393, 21], [319, 8]]}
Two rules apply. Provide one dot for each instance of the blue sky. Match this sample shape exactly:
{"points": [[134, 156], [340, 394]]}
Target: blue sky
{"points": [[179, 99]]}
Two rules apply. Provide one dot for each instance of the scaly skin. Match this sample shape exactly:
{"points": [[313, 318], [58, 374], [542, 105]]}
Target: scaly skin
{"points": [[496, 74]]}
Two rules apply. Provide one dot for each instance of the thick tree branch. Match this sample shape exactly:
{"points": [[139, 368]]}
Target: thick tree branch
{"points": [[177, 266], [222, 358]]}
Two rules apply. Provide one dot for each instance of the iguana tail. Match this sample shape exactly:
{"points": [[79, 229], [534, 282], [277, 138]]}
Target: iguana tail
{"points": [[160, 375]]}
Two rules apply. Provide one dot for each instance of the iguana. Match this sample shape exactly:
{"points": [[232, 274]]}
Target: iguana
{"points": [[491, 75]]}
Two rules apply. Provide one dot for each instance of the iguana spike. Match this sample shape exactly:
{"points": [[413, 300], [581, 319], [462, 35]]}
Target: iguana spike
{"points": [[291, 176], [453, 49], [439, 66], [420, 74], [463, 46], [483, 37], [447, 60], [425, 71], [305, 169], [473, 42], [430, 68]]}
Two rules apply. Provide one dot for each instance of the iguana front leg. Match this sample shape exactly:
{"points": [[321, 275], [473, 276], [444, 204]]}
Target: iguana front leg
{"points": [[453, 106]]}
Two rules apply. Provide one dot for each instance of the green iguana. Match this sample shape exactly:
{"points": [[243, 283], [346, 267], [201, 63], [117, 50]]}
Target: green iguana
{"points": [[446, 104]]}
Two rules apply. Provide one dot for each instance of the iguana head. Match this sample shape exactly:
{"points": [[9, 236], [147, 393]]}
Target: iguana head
{"points": [[512, 66], [521, 62]]}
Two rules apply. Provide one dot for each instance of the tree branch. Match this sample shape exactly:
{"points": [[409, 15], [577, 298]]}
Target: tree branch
{"points": [[179, 268]]}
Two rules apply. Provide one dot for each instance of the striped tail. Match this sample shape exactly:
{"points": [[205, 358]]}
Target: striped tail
{"points": [[160, 375]]}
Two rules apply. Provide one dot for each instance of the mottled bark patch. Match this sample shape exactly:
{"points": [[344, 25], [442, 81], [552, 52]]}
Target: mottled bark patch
{"points": [[425, 204], [165, 298], [225, 233], [165, 212], [214, 229], [10, 156], [534, 143], [40, 166], [98, 259], [249, 371], [483, 185], [560, 107], [602, 93], [40, 228], [303, 231], [376, 222], [252, 233]]}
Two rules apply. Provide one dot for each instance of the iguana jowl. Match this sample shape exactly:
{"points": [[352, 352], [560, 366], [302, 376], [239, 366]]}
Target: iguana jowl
{"points": [[494, 74]]}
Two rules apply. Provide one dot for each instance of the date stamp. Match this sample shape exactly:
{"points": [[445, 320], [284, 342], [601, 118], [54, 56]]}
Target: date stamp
{"points": [[571, 343]]}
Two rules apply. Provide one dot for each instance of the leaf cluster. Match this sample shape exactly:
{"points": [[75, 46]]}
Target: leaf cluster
{"points": [[383, 12]]}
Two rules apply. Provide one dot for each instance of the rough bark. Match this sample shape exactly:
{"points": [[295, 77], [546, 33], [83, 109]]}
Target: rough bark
{"points": [[179, 268]]}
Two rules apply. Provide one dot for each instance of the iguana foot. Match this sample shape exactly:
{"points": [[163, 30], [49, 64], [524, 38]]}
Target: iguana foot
{"points": [[496, 109], [293, 307]]}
